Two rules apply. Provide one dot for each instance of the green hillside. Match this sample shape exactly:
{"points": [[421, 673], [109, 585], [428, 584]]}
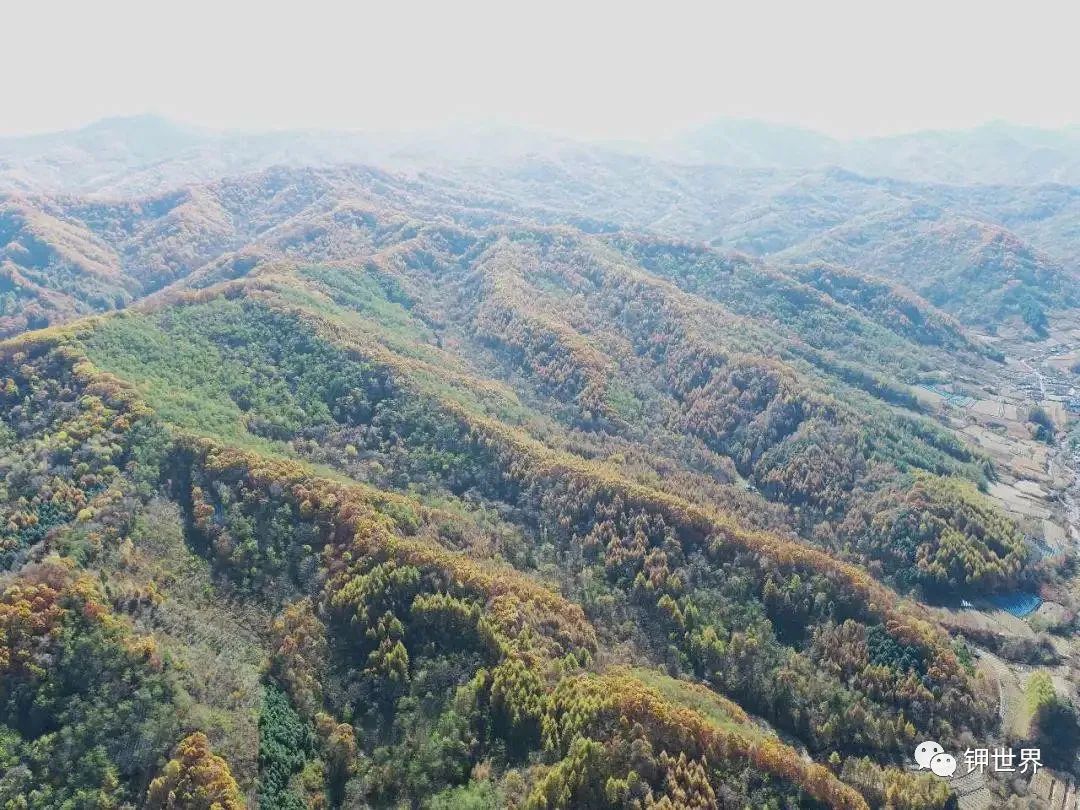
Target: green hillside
{"points": [[341, 488]]}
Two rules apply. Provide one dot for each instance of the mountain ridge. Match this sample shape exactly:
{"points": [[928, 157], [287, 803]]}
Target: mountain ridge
{"points": [[513, 483]]}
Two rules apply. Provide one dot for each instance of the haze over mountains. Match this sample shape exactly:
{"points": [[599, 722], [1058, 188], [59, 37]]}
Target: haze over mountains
{"points": [[997, 153], [779, 192], [499, 470], [80, 160]]}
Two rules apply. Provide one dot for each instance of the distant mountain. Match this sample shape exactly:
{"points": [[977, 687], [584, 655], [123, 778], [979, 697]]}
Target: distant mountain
{"points": [[932, 239], [62, 255], [981, 253], [995, 153], [143, 155], [147, 154], [980, 273], [91, 158], [755, 144], [52, 269]]}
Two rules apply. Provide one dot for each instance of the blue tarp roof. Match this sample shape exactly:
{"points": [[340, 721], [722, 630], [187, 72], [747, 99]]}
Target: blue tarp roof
{"points": [[1018, 604]]}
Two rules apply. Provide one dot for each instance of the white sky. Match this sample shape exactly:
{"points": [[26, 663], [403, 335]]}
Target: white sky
{"points": [[600, 69]]}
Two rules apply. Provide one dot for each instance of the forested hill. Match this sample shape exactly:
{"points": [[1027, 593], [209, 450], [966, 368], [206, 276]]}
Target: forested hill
{"points": [[340, 487], [993, 208]]}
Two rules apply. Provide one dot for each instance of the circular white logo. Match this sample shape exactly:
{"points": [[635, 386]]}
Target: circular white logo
{"points": [[943, 765], [926, 752]]}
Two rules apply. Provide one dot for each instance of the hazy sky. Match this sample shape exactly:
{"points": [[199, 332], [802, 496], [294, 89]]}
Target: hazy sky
{"points": [[605, 69]]}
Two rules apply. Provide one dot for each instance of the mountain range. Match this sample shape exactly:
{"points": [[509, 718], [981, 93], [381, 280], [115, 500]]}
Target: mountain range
{"points": [[499, 470]]}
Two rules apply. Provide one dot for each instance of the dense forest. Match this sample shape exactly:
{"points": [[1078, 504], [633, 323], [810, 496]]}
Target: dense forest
{"points": [[340, 488]]}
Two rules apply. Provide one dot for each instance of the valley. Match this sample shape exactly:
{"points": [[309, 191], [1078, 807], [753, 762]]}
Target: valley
{"points": [[1042, 497]]}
